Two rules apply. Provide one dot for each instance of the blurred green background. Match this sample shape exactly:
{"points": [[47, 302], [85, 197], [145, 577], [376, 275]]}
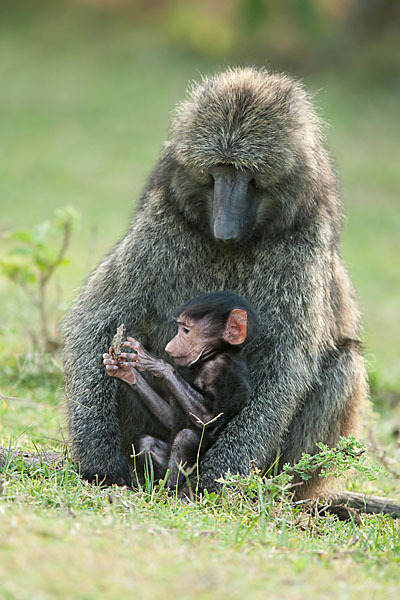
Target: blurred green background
{"points": [[86, 94]]}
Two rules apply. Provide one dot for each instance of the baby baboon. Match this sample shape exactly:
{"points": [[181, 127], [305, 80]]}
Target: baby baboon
{"points": [[243, 198], [209, 385]]}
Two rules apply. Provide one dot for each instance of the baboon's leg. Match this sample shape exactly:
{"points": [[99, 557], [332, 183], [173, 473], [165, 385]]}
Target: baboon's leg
{"points": [[149, 448], [183, 455], [331, 410]]}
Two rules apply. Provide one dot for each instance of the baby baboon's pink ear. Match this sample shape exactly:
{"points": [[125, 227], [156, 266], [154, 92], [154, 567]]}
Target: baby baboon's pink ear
{"points": [[235, 331]]}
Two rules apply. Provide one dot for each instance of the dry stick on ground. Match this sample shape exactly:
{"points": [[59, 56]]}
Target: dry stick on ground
{"points": [[363, 503]]}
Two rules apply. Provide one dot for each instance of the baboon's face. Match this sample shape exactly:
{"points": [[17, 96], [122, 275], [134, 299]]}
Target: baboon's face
{"points": [[229, 204], [244, 145], [222, 201]]}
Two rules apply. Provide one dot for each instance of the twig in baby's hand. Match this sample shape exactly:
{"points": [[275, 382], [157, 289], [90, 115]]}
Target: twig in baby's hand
{"points": [[117, 343]]}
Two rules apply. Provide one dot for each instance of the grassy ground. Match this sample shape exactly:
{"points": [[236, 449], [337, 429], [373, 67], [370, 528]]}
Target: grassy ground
{"points": [[85, 105], [108, 554]]}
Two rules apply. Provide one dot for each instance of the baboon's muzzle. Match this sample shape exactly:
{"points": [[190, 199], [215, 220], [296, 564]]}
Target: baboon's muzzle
{"points": [[229, 219]]}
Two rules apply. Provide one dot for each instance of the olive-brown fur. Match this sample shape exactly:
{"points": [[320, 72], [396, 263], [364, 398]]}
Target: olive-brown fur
{"points": [[308, 382]]}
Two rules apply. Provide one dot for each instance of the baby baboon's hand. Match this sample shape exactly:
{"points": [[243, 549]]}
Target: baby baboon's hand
{"points": [[121, 369], [142, 359]]}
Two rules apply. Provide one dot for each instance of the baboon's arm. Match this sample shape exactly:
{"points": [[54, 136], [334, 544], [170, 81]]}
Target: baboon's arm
{"points": [[157, 405], [190, 400]]}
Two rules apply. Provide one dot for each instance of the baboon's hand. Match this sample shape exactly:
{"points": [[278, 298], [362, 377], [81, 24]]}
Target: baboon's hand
{"points": [[120, 369], [119, 474], [142, 359]]}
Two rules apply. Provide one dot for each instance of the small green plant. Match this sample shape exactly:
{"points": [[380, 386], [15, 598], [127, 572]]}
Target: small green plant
{"points": [[347, 456], [332, 462], [32, 263]]}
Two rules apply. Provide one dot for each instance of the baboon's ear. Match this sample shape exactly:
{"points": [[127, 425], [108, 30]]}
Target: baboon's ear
{"points": [[235, 331]]}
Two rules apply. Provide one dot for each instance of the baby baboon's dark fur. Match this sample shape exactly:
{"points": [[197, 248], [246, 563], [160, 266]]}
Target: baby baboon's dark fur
{"points": [[308, 382]]}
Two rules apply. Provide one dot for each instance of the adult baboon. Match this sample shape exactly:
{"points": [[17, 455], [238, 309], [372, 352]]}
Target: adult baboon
{"points": [[244, 198]]}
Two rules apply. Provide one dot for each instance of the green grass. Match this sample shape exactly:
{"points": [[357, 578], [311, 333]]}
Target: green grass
{"points": [[85, 105], [61, 537], [151, 558]]}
